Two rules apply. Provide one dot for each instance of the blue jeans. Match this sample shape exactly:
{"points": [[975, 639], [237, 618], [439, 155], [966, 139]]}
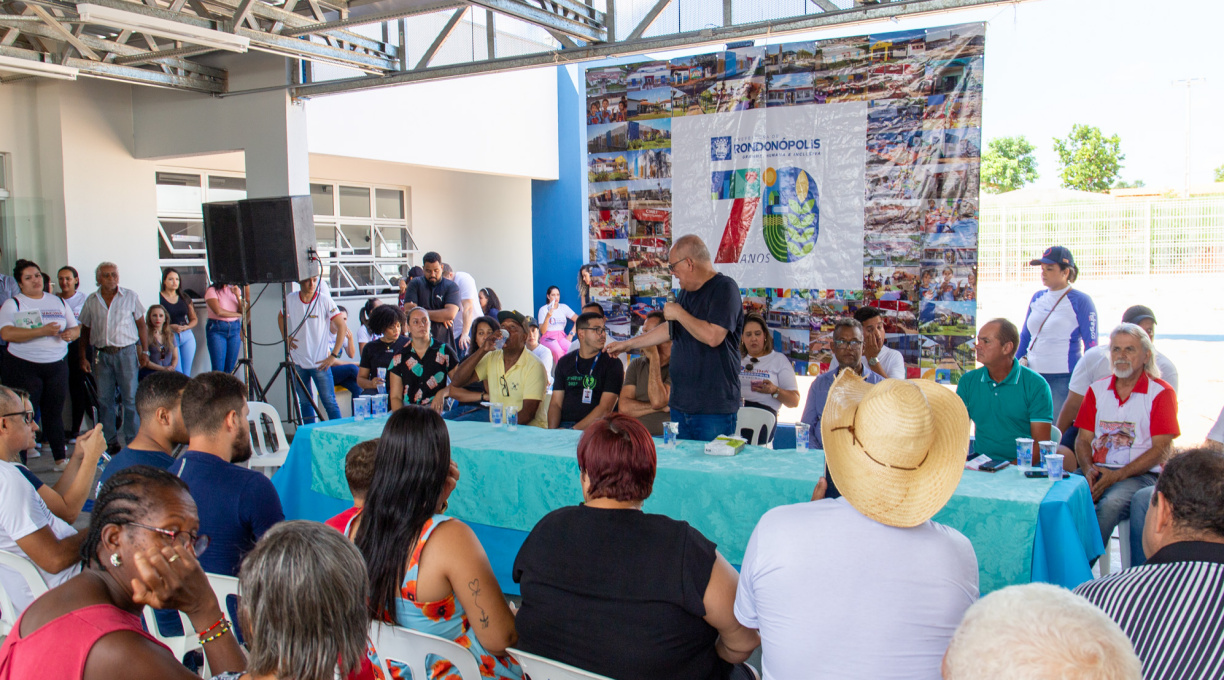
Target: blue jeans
{"points": [[1140, 502], [224, 339], [322, 380], [186, 343], [468, 413], [118, 371], [1060, 384], [345, 375], [1115, 505], [703, 427]]}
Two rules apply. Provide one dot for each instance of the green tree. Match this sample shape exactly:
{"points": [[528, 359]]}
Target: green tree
{"points": [[1137, 184], [1219, 174], [1008, 164], [1088, 160]]}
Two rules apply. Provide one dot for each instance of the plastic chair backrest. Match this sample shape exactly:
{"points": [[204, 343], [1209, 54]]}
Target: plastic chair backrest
{"points": [[756, 425], [34, 581], [1055, 434], [179, 644], [411, 648], [540, 668], [223, 587], [259, 437]]}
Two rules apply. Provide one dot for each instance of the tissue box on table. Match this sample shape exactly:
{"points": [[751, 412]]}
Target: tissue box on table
{"points": [[725, 446]]}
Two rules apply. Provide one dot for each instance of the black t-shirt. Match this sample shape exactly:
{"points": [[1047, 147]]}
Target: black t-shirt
{"points": [[435, 297], [177, 311], [574, 374], [378, 354], [706, 379], [618, 593]]}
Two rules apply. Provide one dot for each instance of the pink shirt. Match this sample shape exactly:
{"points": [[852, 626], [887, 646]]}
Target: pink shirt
{"points": [[225, 299], [61, 646]]}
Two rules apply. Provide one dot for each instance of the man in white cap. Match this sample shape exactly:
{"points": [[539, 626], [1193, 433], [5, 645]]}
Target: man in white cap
{"points": [[866, 586]]}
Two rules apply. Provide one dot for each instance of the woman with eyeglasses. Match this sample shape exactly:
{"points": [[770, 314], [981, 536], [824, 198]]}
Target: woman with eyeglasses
{"points": [[140, 551], [767, 378]]}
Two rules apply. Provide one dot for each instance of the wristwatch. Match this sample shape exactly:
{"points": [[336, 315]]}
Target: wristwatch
{"points": [[873, 361], [336, 355]]}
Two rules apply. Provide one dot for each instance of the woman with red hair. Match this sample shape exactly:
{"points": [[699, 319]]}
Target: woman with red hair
{"points": [[622, 593]]}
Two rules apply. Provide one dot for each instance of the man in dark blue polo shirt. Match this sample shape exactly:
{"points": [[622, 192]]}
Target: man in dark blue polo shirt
{"points": [[158, 401], [236, 505], [1004, 399], [437, 294]]}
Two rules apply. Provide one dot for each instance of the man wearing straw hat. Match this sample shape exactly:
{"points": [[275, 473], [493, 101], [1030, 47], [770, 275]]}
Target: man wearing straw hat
{"points": [[866, 585]]}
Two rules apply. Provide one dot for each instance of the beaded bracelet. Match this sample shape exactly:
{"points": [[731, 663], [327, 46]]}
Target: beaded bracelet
{"points": [[225, 628], [209, 629]]}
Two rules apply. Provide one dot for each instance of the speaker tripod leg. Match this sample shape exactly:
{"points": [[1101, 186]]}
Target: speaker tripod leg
{"points": [[296, 378]]}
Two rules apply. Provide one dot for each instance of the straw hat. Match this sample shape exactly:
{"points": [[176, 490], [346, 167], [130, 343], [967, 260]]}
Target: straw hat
{"points": [[897, 448]]}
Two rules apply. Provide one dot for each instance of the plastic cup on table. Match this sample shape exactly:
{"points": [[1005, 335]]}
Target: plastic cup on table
{"points": [[1047, 447], [510, 415], [361, 408], [1024, 453], [802, 433], [495, 414], [671, 432], [1054, 466]]}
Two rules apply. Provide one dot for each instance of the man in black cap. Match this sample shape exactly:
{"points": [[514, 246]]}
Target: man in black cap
{"points": [[512, 376]]}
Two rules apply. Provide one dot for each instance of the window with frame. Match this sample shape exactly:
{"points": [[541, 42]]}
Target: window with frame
{"points": [[364, 231]]}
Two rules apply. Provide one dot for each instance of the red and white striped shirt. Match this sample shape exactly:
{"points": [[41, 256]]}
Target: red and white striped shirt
{"points": [[1123, 429]]}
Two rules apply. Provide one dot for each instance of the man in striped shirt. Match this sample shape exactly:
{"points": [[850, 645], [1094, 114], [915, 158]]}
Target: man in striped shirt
{"points": [[1172, 608]]}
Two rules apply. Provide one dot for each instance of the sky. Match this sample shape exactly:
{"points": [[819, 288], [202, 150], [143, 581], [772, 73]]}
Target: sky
{"points": [[1109, 63]]}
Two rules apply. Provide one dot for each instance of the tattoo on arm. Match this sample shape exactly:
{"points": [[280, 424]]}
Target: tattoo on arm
{"points": [[474, 586]]}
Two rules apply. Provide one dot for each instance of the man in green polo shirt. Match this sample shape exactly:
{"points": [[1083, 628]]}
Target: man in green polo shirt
{"points": [[1004, 399]]}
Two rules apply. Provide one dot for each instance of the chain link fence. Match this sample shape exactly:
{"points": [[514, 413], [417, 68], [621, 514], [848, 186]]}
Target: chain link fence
{"points": [[1154, 237]]}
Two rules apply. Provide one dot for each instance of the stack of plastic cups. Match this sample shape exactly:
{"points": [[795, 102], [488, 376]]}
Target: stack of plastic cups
{"points": [[495, 414], [1047, 447], [1024, 453]]}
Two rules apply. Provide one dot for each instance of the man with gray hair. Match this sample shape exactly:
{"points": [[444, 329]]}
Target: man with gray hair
{"points": [[1127, 425], [1172, 608], [112, 320], [1064, 636], [704, 325]]}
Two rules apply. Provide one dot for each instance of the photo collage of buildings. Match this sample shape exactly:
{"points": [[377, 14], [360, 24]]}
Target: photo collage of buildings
{"points": [[923, 145]]}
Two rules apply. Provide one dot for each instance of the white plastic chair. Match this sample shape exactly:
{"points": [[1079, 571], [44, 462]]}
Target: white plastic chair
{"points": [[179, 644], [411, 648], [756, 425], [1055, 434], [269, 456], [34, 581], [1124, 549], [540, 668]]}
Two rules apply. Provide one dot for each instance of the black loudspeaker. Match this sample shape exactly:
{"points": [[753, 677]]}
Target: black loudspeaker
{"points": [[223, 236], [278, 238]]}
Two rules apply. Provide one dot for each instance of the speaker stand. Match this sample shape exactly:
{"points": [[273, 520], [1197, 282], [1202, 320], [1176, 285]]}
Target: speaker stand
{"points": [[292, 377]]}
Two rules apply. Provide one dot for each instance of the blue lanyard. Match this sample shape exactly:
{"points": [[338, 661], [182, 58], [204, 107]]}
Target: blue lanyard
{"points": [[588, 380]]}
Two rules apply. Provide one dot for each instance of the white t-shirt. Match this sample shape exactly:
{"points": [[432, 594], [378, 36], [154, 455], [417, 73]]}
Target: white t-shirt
{"points": [[1217, 431], [314, 339], [22, 513], [557, 321], [25, 312], [545, 356], [1094, 365], [76, 302], [837, 595], [467, 291], [892, 363], [361, 336], [774, 367]]}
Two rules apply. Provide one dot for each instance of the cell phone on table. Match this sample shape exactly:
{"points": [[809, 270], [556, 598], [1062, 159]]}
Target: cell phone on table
{"points": [[1033, 474], [994, 465]]}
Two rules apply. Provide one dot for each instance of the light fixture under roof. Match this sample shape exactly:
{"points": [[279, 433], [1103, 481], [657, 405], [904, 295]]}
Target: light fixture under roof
{"points": [[31, 67], [163, 28]]}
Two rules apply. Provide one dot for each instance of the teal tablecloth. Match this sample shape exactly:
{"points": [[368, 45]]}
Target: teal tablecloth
{"points": [[1021, 529]]}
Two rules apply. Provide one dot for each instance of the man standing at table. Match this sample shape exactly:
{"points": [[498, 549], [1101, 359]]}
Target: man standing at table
{"points": [[1127, 425], [1005, 399], [512, 376], [437, 294], [705, 324], [586, 388]]}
